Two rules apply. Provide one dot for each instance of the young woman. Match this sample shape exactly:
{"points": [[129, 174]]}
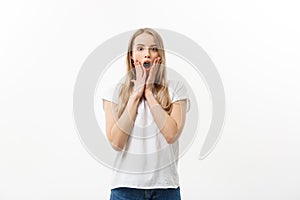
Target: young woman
{"points": [[143, 123]]}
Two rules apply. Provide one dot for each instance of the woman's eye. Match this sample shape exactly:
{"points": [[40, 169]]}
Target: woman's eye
{"points": [[142, 48]]}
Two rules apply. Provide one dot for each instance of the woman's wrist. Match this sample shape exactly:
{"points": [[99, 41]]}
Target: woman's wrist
{"points": [[148, 93], [134, 96]]}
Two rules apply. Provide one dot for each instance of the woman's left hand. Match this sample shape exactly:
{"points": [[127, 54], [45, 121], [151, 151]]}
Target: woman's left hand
{"points": [[152, 74]]}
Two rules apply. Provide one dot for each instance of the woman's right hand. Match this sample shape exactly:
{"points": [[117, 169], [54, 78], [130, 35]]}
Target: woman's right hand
{"points": [[139, 83]]}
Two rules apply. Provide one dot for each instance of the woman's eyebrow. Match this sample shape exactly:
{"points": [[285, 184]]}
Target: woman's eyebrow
{"points": [[144, 45]]}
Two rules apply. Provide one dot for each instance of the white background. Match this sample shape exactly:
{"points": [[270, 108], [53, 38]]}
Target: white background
{"points": [[254, 45]]}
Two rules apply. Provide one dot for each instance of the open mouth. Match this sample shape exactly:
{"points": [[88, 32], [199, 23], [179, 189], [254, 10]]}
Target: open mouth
{"points": [[147, 64]]}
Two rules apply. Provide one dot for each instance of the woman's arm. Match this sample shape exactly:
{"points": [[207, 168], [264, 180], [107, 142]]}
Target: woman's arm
{"points": [[118, 129], [169, 125]]}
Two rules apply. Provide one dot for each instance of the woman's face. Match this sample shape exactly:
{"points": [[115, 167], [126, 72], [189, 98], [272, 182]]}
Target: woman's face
{"points": [[144, 50]]}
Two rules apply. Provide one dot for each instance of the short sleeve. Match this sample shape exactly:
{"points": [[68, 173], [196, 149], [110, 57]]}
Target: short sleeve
{"points": [[111, 93], [178, 91]]}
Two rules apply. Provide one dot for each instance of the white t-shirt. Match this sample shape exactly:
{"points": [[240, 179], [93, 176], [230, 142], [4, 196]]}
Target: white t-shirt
{"points": [[147, 161]]}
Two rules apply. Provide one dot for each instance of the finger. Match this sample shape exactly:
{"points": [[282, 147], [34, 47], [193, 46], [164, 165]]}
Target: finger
{"points": [[157, 63], [153, 71], [154, 62], [144, 72], [158, 60], [153, 66], [136, 62], [138, 68]]}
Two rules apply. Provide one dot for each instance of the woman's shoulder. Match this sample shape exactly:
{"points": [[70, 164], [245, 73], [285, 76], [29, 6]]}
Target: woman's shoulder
{"points": [[110, 92], [173, 84], [178, 91], [177, 88]]}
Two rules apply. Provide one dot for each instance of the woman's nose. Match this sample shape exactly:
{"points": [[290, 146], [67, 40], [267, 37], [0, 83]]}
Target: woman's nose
{"points": [[147, 54]]}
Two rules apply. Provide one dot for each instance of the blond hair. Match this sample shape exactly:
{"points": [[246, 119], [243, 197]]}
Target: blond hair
{"points": [[161, 91]]}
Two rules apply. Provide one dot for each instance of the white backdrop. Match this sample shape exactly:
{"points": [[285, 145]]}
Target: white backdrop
{"points": [[254, 45]]}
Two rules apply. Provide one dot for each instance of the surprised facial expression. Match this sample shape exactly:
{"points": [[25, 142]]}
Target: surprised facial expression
{"points": [[145, 50]]}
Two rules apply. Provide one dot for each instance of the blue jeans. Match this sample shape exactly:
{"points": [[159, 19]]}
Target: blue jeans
{"points": [[125, 193]]}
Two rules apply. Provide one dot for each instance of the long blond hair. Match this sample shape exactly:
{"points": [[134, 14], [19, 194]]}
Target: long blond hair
{"points": [[161, 91]]}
